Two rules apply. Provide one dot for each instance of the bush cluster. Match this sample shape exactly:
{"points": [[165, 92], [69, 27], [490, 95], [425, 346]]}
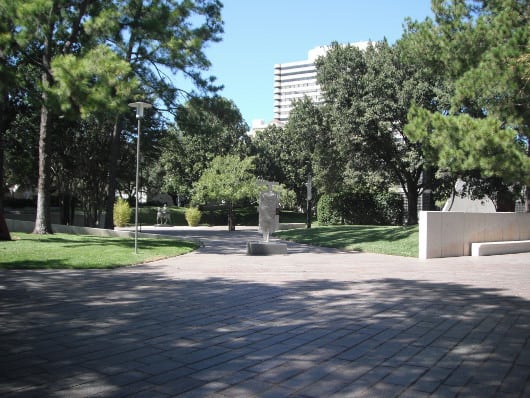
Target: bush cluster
{"points": [[360, 208], [122, 212], [193, 216]]}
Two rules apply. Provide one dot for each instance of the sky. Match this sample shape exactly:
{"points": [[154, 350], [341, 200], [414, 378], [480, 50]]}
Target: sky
{"points": [[261, 33]]}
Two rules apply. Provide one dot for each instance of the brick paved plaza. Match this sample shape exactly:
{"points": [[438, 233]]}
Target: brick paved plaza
{"points": [[314, 323]]}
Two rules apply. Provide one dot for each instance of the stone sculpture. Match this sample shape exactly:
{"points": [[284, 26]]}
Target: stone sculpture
{"points": [[268, 211]]}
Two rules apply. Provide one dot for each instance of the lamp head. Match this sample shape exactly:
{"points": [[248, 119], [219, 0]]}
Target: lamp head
{"points": [[140, 106]]}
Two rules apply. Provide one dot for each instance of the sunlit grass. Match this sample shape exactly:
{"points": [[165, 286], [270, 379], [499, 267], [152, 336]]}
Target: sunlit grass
{"points": [[399, 241], [82, 251]]}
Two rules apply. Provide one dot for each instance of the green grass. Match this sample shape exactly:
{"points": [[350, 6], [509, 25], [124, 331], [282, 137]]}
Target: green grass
{"points": [[399, 241], [27, 251]]}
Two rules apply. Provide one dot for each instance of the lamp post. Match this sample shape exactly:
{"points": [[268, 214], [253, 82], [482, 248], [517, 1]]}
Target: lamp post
{"points": [[139, 106], [309, 186]]}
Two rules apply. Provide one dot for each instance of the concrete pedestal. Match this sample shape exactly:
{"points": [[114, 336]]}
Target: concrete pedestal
{"points": [[256, 248]]}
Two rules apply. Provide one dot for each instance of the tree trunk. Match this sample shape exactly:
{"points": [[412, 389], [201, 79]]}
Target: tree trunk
{"points": [[231, 218], [3, 128], [412, 204], [4, 231], [42, 219], [527, 190], [112, 173], [67, 208], [427, 196]]}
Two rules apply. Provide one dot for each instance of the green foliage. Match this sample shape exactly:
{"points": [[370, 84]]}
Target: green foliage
{"points": [[193, 216], [244, 214], [480, 49], [287, 198], [92, 83], [268, 145], [122, 212], [289, 154], [368, 93], [298, 145], [207, 127], [360, 208], [228, 179], [389, 208], [87, 59], [463, 144], [328, 212]]}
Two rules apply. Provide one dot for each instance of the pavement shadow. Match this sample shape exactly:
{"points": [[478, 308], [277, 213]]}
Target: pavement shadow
{"points": [[121, 333], [217, 241]]}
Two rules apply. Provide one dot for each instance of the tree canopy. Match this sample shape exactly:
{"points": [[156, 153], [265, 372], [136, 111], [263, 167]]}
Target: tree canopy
{"points": [[92, 57], [206, 127], [367, 96], [481, 47], [227, 181]]}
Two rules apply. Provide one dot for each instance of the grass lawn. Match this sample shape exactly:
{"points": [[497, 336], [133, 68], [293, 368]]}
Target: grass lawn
{"points": [[82, 251], [400, 241]]}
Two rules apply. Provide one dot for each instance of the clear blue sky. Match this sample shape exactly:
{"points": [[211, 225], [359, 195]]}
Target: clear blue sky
{"points": [[261, 33]]}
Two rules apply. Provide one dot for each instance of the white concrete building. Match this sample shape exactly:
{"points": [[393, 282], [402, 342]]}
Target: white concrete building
{"points": [[257, 126], [295, 80]]}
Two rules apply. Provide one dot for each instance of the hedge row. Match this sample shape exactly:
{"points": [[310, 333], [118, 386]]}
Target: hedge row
{"points": [[360, 208]]}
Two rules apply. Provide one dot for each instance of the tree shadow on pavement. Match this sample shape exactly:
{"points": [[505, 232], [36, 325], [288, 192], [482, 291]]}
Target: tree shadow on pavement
{"points": [[132, 332]]}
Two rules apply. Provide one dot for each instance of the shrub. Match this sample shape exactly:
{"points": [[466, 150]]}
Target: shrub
{"points": [[19, 203], [360, 208], [391, 208], [328, 212], [122, 212], [193, 216]]}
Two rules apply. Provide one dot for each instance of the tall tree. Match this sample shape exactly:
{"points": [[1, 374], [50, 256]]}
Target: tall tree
{"points": [[157, 39], [52, 36], [7, 71], [55, 29], [301, 134], [267, 146], [227, 181], [291, 153], [153, 40], [206, 127], [482, 48], [368, 94]]}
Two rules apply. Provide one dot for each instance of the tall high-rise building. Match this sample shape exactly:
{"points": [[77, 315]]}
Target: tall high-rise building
{"points": [[295, 80]]}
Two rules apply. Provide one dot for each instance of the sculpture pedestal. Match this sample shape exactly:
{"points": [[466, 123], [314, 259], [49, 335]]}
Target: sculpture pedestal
{"points": [[258, 248]]}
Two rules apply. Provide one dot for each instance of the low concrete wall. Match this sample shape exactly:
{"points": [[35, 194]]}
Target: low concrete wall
{"points": [[503, 247], [27, 226], [450, 234]]}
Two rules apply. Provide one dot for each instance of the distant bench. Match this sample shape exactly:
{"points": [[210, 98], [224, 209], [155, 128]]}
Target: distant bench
{"points": [[501, 247]]}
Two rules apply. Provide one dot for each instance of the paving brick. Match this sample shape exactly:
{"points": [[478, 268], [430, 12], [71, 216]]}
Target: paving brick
{"points": [[431, 380], [179, 386], [517, 379], [314, 323]]}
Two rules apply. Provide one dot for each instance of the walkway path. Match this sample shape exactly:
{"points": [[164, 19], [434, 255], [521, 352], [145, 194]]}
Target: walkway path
{"points": [[317, 322]]}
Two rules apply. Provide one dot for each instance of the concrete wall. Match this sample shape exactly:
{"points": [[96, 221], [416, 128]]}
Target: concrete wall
{"points": [[450, 234], [27, 226]]}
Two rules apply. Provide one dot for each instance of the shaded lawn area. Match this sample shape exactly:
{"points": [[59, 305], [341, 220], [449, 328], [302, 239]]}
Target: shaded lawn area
{"points": [[28, 251], [399, 241]]}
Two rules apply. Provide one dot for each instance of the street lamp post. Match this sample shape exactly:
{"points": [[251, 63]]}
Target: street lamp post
{"points": [[139, 106], [309, 186]]}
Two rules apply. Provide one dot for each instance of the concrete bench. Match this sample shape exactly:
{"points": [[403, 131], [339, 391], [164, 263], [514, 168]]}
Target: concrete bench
{"points": [[501, 247]]}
